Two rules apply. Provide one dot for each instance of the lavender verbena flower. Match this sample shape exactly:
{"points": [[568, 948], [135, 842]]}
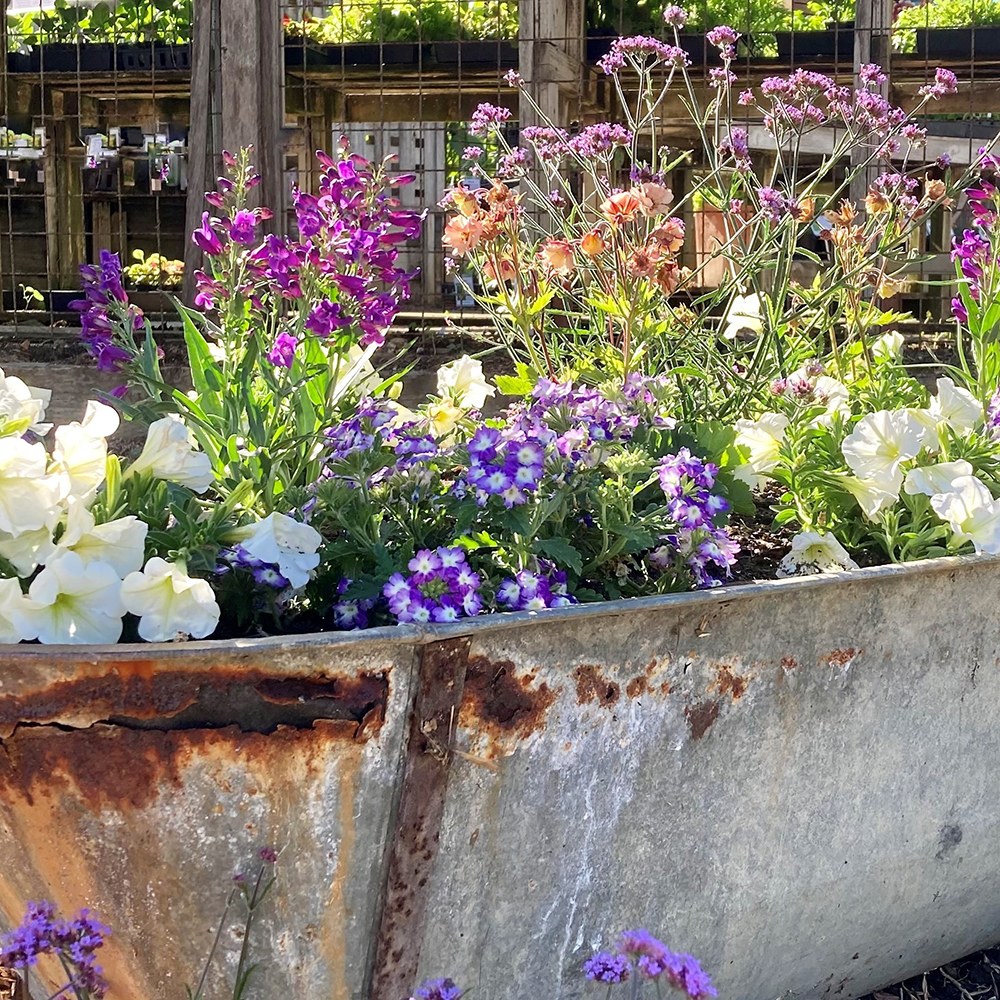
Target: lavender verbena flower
{"points": [[687, 483], [441, 587], [725, 39], [595, 140], [870, 74], [268, 855], [74, 941], [606, 967], [945, 82], [487, 117], [472, 152], [638, 49], [511, 164], [772, 203], [535, 591], [993, 416], [675, 17], [549, 143], [512, 78], [721, 77], [437, 989]]}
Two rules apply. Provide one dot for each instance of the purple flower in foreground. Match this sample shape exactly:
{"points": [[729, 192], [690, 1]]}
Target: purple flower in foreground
{"points": [[438, 989], [993, 416], [606, 967], [958, 310], [441, 588], [675, 16], [206, 238], [268, 854], [242, 227], [639, 49], [945, 82], [488, 116], [282, 354], [724, 38]]}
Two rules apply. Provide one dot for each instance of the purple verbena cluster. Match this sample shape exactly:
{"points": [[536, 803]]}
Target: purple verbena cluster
{"points": [[105, 311], [639, 49], [640, 952], [597, 140], [506, 468], [535, 591], [487, 117], [687, 483], [266, 574], [437, 989], [441, 587], [350, 612], [75, 942]]}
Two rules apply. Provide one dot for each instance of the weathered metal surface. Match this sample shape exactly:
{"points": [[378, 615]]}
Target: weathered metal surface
{"points": [[137, 780], [417, 828], [797, 782]]}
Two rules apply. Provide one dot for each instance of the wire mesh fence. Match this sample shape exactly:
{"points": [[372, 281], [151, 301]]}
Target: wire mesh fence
{"points": [[98, 98]]}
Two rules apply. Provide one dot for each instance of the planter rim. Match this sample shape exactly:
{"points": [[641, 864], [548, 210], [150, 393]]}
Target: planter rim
{"points": [[421, 635]]}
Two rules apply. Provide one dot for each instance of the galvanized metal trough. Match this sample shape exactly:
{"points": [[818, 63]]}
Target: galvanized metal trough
{"points": [[798, 782]]}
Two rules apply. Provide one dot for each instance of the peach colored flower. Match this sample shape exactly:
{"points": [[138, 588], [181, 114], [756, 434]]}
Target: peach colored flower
{"points": [[462, 234], [464, 200], [669, 234], [621, 207], [592, 243], [653, 198], [642, 262], [934, 189], [804, 210], [506, 268], [557, 256], [668, 276]]}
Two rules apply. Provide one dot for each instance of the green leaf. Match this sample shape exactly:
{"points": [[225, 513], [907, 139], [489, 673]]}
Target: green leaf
{"points": [[561, 551], [205, 374], [514, 385]]}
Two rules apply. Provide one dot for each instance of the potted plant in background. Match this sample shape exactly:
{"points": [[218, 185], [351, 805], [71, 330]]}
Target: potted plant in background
{"points": [[824, 30], [949, 29]]}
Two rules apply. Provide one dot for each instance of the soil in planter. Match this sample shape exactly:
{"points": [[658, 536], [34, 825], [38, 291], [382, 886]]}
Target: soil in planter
{"points": [[975, 977]]}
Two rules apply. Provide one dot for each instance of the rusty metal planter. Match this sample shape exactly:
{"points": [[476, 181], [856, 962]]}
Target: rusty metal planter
{"points": [[796, 781]]}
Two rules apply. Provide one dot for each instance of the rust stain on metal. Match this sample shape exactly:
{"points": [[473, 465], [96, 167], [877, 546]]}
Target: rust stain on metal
{"points": [[789, 663], [591, 686], [638, 686], [727, 681], [124, 769], [498, 702], [144, 690], [840, 657], [444, 671], [701, 717]]}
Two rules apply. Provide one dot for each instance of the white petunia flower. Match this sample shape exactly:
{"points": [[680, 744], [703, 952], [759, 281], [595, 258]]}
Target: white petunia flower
{"points": [[955, 406], [743, 314], [762, 438], [813, 552], [289, 543], [80, 453], [879, 444], [169, 603], [931, 479], [872, 495], [972, 513], [30, 549], [170, 453], [10, 598], [120, 543], [463, 381], [28, 495], [889, 346], [22, 407], [73, 602]]}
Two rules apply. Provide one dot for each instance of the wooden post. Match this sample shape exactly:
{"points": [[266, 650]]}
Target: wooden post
{"points": [[872, 36], [551, 44], [64, 227], [236, 100]]}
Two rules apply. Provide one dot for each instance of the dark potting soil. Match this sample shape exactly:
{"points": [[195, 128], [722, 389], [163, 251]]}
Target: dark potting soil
{"points": [[975, 977]]}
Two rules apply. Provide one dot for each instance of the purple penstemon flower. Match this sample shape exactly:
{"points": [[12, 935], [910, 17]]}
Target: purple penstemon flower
{"points": [[282, 353], [206, 237]]}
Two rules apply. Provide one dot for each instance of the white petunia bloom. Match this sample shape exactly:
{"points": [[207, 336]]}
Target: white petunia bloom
{"points": [[972, 513], [762, 438], [170, 453], [889, 346], [463, 381], [28, 495], [931, 479], [20, 403], [30, 549], [73, 602], [120, 543], [879, 444], [169, 603], [743, 314], [10, 598], [80, 453], [289, 543], [955, 406], [813, 552], [872, 495]]}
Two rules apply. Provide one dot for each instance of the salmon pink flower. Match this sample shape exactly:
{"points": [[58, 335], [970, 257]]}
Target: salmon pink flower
{"points": [[622, 206]]}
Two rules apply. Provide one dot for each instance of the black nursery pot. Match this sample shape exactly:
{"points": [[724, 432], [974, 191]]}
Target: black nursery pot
{"points": [[480, 53], [67, 57], [958, 43], [153, 57], [835, 44]]}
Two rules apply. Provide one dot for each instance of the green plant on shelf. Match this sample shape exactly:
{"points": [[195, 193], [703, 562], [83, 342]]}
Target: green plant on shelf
{"points": [[943, 14], [820, 15], [154, 271], [127, 22], [409, 21]]}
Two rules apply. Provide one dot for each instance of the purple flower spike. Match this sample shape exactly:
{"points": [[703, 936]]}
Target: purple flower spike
{"points": [[606, 967], [282, 354]]}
